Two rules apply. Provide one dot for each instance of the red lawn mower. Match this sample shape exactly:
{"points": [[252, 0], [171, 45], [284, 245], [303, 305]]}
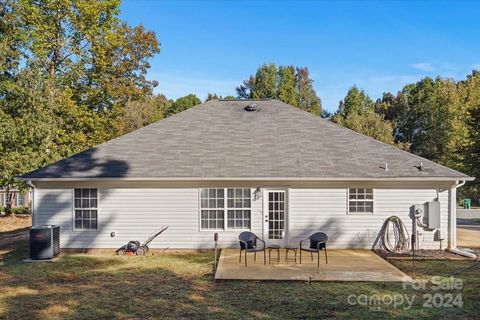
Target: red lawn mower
{"points": [[136, 248]]}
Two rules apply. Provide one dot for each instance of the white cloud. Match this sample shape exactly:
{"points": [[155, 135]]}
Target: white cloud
{"points": [[424, 66], [476, 66], [175, 85]]}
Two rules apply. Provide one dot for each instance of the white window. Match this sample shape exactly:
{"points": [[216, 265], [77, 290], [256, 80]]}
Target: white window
{"points": [[239, 208], [20, 200], [5, 199], [212, 208], [216, 213], [85, 208], [360, 200]]}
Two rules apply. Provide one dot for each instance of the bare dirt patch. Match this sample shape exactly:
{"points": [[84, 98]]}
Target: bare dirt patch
{"points": [[422, 255], [14, 228], [14, 223]]}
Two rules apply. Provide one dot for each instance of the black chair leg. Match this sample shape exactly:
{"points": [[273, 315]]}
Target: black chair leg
{"points": [[318, 258], [300, 256], [311, 255], [240, 257], [326, 259], [255, 256], [245, 258], [264, 257]]}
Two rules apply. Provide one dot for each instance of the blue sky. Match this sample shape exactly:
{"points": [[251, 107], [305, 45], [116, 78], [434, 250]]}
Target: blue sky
{"points": [[379, 46]]}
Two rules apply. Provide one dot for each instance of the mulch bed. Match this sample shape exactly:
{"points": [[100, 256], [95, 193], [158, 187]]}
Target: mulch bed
{"points": [[421, 255]]}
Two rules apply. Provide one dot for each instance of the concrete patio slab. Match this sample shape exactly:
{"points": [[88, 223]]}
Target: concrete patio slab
{"points": [[343, 265]]}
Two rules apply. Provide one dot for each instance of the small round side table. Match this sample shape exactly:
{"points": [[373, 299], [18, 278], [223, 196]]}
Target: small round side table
{"points": [[291, 259], [270, 249]]}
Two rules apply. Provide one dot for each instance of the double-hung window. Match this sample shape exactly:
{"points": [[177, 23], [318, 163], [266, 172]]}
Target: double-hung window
{"points": [[212, 208], [239, 208], [360, 200], [85, 208], [20, 200], [225, 208]]}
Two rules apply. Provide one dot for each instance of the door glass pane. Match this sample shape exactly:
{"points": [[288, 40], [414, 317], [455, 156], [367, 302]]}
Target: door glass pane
{"points": [[276, 214]]}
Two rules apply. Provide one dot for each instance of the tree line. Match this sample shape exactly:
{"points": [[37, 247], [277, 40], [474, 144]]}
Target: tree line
{"points": [[438, 119], [73, 75]]}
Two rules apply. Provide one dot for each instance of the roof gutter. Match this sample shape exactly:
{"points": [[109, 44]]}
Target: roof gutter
{"points": [[455, 179], [452, 224]]}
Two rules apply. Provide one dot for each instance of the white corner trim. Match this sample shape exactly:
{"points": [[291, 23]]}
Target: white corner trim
{"points": [[452, 223]]}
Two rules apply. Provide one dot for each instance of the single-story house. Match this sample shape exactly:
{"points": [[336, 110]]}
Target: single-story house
{"points": [[226, 166]]}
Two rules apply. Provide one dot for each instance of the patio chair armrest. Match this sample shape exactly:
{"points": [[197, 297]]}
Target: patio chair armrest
{"points": [[264, 244], [302, 241]]}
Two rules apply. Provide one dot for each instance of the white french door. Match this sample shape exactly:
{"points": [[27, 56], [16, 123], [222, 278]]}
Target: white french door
{"points": [[275, 215]]}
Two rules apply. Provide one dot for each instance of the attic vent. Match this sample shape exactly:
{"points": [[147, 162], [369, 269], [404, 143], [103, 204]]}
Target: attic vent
{"points": [[252, 107]]}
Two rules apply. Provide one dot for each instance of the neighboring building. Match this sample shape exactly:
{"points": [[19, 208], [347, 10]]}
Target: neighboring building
{"points": [[277, 171], [19, 199]]}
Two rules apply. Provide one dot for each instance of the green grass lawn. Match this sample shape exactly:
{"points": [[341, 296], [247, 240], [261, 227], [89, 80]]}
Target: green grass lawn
{"points": [[180, 285]]}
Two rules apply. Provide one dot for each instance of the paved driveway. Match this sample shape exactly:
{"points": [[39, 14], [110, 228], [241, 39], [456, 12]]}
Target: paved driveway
{"points": [[468, 236]]}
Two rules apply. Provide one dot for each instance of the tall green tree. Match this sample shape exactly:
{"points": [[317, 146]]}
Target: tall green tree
{"points": [[386, 106], [357, 112], [67, 71], [472, 154], [212, 96], [431, 118], [265, 82], [307, 97], [182, 104], [470, 93], [85, 46], [285, 83], [139, 113]]}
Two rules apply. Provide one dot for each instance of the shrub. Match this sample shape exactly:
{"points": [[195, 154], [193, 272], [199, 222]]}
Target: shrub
{"points": [[21, 210]]}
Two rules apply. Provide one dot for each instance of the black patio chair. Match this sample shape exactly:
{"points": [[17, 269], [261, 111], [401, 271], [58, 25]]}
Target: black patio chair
{"points": [[248, 243], [318, 242]]}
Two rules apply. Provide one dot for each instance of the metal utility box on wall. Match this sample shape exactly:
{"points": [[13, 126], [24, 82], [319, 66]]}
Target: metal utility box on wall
{"points": [[433, 214], [44, 242]]}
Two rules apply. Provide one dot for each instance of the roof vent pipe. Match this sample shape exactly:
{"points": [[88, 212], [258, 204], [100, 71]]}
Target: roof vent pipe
{"points": [[421, 166], [386, 166], [252, 107]]}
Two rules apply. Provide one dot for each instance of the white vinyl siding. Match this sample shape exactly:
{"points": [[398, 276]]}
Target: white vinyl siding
{"points": [[324, 210], [134, 213]]}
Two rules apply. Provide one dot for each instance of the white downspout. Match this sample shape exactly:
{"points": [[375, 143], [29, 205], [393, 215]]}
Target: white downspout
{"points": [[32, 201], [452, 223]]}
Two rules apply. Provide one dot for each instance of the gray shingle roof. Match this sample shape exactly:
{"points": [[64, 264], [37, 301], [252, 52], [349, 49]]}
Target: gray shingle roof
{"points": [[219, 139]]}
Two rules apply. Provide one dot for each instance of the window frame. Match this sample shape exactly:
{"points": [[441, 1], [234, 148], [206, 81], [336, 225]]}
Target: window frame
{"points": [[362, 200], [19, 195], [74, 208], [226, 208]]}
